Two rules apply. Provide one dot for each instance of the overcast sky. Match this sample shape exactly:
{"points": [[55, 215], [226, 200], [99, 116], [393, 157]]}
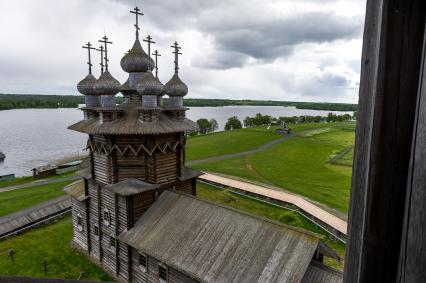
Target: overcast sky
{"points": [[294, 50]]}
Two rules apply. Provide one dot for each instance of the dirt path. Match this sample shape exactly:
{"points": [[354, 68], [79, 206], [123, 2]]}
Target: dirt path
{"points": [[232, 155]]}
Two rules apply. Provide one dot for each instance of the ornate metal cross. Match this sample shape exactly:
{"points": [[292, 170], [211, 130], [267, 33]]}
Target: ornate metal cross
{"points": [[89, 47], [176, 51], [101, 49], [137, 13], [148, 39], [105, 42], [156, 54]]}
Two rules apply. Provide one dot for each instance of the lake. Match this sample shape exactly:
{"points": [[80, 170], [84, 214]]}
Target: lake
{"points": [[35, 137]]}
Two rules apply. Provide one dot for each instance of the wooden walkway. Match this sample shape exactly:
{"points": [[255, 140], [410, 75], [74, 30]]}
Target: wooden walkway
{"points": [[296, 200], [32, 216]]}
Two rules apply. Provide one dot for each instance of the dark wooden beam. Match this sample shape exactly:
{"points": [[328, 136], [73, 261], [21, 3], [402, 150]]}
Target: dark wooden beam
{"points": [[390, 67], [413, 248]]}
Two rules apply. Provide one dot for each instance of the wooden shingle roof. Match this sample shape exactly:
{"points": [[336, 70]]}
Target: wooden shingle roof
{"points": [[318, 272], [212, 243], [131, 186], [130, 124]]}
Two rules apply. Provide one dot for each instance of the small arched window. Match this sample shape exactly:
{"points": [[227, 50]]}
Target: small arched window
{"points": [[107, 217]]}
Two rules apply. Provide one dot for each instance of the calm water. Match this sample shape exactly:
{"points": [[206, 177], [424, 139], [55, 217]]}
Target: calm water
{"points": [[35, 137]]}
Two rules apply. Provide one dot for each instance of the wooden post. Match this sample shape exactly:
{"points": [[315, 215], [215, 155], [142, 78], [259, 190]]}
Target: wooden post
{"points": [[413, 247], [392, 48]]}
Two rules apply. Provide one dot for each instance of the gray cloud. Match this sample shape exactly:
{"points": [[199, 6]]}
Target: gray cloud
{"points": [[231, 49]]}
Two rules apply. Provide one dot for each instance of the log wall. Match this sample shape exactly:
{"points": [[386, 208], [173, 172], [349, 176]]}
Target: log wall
{"points": [[151, 274]]}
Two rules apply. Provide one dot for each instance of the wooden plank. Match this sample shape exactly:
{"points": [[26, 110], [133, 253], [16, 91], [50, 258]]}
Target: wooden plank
{"points": [[413, 251], [390, 65]]}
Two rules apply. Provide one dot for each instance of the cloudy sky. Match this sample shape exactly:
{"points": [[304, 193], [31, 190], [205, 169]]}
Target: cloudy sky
{"points": [[294, 50]]}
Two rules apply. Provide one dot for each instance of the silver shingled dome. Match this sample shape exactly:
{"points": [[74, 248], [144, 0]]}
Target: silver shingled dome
{"points": [[107, 85], [85, 86], [175, 87], [149, 85], [136, 60]]}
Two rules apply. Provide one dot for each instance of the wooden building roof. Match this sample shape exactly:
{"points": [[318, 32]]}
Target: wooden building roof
{"points": [[212, 243], [76, 190], [130, 124], [131, 186], [318, 272]]}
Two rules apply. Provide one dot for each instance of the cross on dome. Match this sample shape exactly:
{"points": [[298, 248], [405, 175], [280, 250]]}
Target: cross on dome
{"points": [[149, 40], [101, 49], [156, 54], [105, 41], [89, 47], [137, 13], [176, 51]]}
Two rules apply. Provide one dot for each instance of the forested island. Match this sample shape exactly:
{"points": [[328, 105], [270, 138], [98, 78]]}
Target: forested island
{"points": [[18, 101]]}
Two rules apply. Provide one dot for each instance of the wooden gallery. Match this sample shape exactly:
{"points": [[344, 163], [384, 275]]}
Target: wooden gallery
{"points": [[135, 211]]}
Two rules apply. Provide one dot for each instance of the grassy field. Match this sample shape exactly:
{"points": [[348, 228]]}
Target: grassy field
{"points": [[50, 243], [268, 211], [16, 200], [221, 143], [27, 179], [300, 164]]}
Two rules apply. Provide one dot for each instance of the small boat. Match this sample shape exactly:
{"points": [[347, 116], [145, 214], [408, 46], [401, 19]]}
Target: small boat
{"points": [[2, 156]]}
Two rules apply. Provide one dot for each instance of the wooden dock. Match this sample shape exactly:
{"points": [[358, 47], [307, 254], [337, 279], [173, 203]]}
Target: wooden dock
{"points": [[27, 218], [305, 205]]}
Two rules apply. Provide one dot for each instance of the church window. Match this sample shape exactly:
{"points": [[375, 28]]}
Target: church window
{"points": [[80, 224], [107, 217], [112, 242], [96, 231], [143, 262], [163, 274]]}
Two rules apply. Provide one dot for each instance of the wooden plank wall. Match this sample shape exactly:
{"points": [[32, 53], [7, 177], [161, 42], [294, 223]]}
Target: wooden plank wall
{"points": [[108, 253], [151, 275], [413, 252], [390, 67], [80, 237], [128, 165], [94, 216]]}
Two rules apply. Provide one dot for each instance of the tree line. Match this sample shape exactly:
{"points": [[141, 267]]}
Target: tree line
{"points": [[17, 101], [207, 126]]}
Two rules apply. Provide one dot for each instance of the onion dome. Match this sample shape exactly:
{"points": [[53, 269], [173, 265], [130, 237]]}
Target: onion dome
{"points": [[149, 85], [85, 86], [107, 85], [175, 87], [164, 88], [125, 88], [136, 60]]}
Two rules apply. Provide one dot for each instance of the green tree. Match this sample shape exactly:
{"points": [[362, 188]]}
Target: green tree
{"points": [[215, 125], [204, 125], [233, 123]]}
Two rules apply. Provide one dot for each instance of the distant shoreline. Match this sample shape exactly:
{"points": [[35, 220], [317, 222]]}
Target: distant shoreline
{"points": [[17, 101]]}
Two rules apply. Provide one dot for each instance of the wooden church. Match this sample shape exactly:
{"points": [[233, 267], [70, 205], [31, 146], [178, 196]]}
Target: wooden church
{"points": [[135, 211]]}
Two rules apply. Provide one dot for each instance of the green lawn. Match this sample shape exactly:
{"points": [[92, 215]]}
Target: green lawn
{"points": [[300, 164], [27, 179], [50, 243], [16, 200], [268, 211], [221, 143]]}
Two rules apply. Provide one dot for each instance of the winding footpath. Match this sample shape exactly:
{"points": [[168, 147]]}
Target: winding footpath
{"points": [[263, 147]]}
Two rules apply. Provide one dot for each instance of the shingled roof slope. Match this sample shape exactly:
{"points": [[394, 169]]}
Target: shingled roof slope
{"points": [[318, 272], [212, 243], [130, 124]]}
